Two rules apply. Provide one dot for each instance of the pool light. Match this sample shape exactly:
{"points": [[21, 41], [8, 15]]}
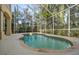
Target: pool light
{"points": [[30, 33]]}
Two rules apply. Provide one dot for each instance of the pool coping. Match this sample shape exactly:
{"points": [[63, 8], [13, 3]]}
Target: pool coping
{"points": [[75, 45]]}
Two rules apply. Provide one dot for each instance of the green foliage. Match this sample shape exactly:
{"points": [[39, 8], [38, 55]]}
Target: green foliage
{"points": [[44, 14], [74, 33], [61, 32]]}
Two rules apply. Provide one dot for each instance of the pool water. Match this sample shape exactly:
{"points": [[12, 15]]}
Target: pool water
{"points": [[47, 42]]}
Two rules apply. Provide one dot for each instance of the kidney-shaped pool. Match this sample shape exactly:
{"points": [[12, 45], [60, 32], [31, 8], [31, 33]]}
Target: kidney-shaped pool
{"points": [[47, 42]]}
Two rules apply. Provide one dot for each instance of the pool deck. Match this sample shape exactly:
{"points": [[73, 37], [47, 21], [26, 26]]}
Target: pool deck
{"points": [[13, 46]]}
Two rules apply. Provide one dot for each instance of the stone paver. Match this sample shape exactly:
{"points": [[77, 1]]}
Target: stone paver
{"points": [[11, 46]]}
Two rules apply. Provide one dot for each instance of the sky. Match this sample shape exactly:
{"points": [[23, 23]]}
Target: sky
{"points": [[31, 7], [21, 7]]}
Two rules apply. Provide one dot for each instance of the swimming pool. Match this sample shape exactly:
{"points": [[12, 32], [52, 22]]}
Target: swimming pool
{"points": [[47, 42]]}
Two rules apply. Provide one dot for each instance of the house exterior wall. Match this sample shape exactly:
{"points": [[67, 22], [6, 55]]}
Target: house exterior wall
{"points": [[5, 13]]}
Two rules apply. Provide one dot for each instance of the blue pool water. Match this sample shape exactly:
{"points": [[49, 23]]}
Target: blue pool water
{"points": [[42, 41]]}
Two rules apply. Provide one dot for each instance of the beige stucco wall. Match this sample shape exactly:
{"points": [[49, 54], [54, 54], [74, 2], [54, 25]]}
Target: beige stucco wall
{"points": [[4, 10]]}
